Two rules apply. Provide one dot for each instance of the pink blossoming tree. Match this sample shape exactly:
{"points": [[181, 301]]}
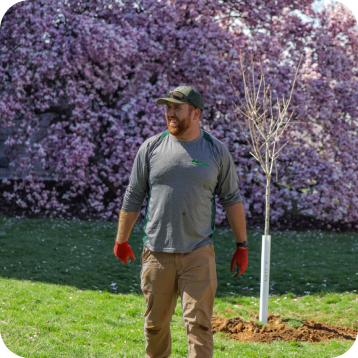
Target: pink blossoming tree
{"points": [[78, 83]]}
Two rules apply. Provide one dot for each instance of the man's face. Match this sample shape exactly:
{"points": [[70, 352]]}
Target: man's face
{"points": [[178, 117]]}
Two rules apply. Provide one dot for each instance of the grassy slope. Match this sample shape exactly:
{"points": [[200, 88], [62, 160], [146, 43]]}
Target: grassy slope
{"points": [[64, 294]]}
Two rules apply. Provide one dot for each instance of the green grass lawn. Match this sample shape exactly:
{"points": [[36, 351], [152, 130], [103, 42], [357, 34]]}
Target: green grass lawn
{"points": [[64, 293]]}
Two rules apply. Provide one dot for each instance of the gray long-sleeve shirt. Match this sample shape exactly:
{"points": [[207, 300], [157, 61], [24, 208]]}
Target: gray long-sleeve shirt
{"points": [[181, 180]]}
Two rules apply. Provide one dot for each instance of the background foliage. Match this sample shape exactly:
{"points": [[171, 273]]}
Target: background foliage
{"points": [[78, 83]]}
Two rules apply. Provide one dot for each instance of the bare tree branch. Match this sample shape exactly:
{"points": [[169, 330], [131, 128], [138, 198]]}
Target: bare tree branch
{"points": [[265, 123], [276, 155]]}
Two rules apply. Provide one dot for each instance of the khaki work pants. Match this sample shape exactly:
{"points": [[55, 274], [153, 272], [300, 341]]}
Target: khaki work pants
{"points": [[163, 278]]}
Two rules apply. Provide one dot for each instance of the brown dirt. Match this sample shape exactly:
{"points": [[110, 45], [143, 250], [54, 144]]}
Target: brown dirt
{"points": [[278, 329]]}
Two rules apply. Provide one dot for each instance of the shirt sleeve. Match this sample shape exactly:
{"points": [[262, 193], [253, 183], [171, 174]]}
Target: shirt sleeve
{"points": [[228, 184], [137, 188]]}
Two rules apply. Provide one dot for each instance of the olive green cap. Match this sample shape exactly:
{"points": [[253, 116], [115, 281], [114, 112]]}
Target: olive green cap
{"points": [[192, 97]]}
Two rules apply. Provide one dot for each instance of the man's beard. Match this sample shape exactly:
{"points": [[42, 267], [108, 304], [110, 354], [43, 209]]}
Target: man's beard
{"points": [[180, 128]]}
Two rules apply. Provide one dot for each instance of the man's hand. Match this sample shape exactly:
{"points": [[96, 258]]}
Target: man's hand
{"points": [[239, 258], [123, 252]]}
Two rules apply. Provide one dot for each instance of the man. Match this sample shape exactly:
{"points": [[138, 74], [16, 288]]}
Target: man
{"points": [[181, 170]]}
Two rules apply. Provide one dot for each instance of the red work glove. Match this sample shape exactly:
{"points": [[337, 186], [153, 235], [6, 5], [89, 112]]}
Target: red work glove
{"points": [[240, 258], [123, 251]]}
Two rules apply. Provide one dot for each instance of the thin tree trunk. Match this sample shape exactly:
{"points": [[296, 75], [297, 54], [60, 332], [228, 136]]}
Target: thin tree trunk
{"points": [[267, 218]]}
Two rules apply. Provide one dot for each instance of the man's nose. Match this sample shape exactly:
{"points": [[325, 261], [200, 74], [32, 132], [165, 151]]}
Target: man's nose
{"points": [[170, 111]]}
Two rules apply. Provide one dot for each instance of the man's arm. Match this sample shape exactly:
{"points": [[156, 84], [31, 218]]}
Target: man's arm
{"points": [[236, 215], [133, 199], [126, 222], [125, 225]]}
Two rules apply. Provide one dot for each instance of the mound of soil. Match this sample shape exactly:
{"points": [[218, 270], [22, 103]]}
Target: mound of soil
{"points": [[279, 329]]}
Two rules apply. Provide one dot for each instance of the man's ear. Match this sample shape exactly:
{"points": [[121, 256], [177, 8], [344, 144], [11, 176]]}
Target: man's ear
{"points": [[197, 113]]}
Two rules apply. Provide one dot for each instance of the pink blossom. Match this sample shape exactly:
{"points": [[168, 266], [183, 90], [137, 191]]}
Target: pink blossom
{"points": [[79, 83]]}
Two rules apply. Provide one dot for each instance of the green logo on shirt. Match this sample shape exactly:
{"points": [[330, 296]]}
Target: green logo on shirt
{"points": [[196, 162]]}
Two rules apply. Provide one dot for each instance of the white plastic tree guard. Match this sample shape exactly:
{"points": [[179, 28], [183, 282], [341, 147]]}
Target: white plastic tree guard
{"points": [[265, 277]]}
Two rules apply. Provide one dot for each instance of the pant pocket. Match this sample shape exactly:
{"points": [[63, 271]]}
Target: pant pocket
{"points": [[144, 255], [209, 250]]}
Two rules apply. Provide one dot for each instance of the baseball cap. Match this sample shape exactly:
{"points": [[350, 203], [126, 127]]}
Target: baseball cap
{"points": [[183, 94]]}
